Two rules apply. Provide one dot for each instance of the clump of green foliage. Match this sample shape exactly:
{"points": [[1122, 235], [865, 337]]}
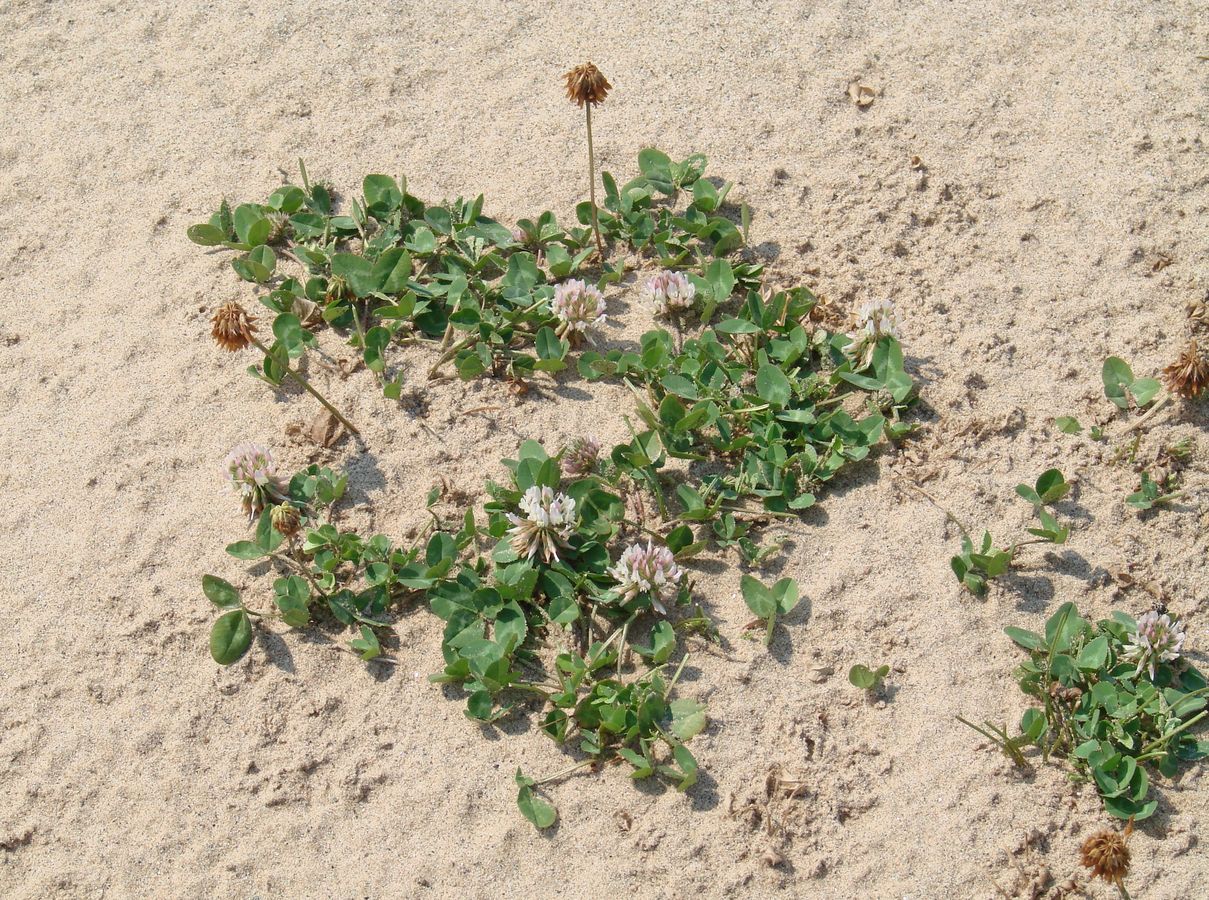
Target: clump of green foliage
{"points": [[550, 595], [501, 607], [395, 270], [978, 564], [1116, 697]]}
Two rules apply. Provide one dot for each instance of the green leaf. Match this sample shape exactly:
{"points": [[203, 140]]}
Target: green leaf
{"points": [[377, 339], [1144, 390], [287, 328], [221, 593], [367, 645], [1052, 486], [705, 195], [1068, 425], [1029, 640], [863, 677], [1028, 494], [772, 385], [1093, 655], [688, 718], [251, 227], [720, 277], [357, 272], [246, 550], [1117, 377], [785, 593], [656, 168], [230, 637], [423, 241], [293, 596], [532, 807], [759, 599], [206, 235], [738, 326], [390, 273], [663, 644], [381, 190]]}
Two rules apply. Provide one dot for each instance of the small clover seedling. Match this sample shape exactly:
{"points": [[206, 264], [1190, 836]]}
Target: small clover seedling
{"points": [[867, 679], [1150, 495], [533, 807], [769, 602], [1120, 385], [974, 568], [1050, 488]]}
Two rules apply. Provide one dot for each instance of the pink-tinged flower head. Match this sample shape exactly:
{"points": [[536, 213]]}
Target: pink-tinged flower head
{"points": [[1158, 639], [580, 456], [648, 570], [253, 475], [670, 292], [547, 523], [578, 305]]}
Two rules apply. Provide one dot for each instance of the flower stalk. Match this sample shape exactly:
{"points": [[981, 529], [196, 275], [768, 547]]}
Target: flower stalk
{"points": [[233, 330], [587, 86]]}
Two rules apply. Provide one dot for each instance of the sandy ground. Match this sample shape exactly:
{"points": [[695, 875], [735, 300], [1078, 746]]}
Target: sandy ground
{"points": [[1060, 217]]}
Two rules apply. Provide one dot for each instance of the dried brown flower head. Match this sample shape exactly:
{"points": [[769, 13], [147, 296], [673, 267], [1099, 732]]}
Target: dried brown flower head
{"points": [[587, 84], [1189, 374], [1198, 314], [287, 519], [233, 327], [1106, 854]]}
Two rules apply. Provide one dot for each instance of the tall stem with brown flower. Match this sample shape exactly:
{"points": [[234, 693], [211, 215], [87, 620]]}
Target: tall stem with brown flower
{"points": [[592, 185], [587, 86], [233, 329]]}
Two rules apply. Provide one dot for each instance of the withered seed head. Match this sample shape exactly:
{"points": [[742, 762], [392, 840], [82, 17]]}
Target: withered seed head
{"points": [[233, 327], [1106, 854], [1189, 374], [1198, 314], [587, 84]]}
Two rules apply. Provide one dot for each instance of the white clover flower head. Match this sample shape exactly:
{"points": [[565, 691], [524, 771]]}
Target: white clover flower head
{"points": [[547, 524], [577, 305], [252, 473], [518, 235], [648, 570], [670, 292], [877, 319], [1158, 638], [580, 456], [873, 321]]}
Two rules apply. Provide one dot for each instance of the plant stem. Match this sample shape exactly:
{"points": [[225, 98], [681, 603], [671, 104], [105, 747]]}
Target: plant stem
{"points": [[306, 385], [592, 184], [565, 772], [621, 649], [643, 528], [1172, 734], [680, 668], [450, 354], [1150, 413]]}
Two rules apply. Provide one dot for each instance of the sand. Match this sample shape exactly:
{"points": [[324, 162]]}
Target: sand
{"points": [[1059, 216]]}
